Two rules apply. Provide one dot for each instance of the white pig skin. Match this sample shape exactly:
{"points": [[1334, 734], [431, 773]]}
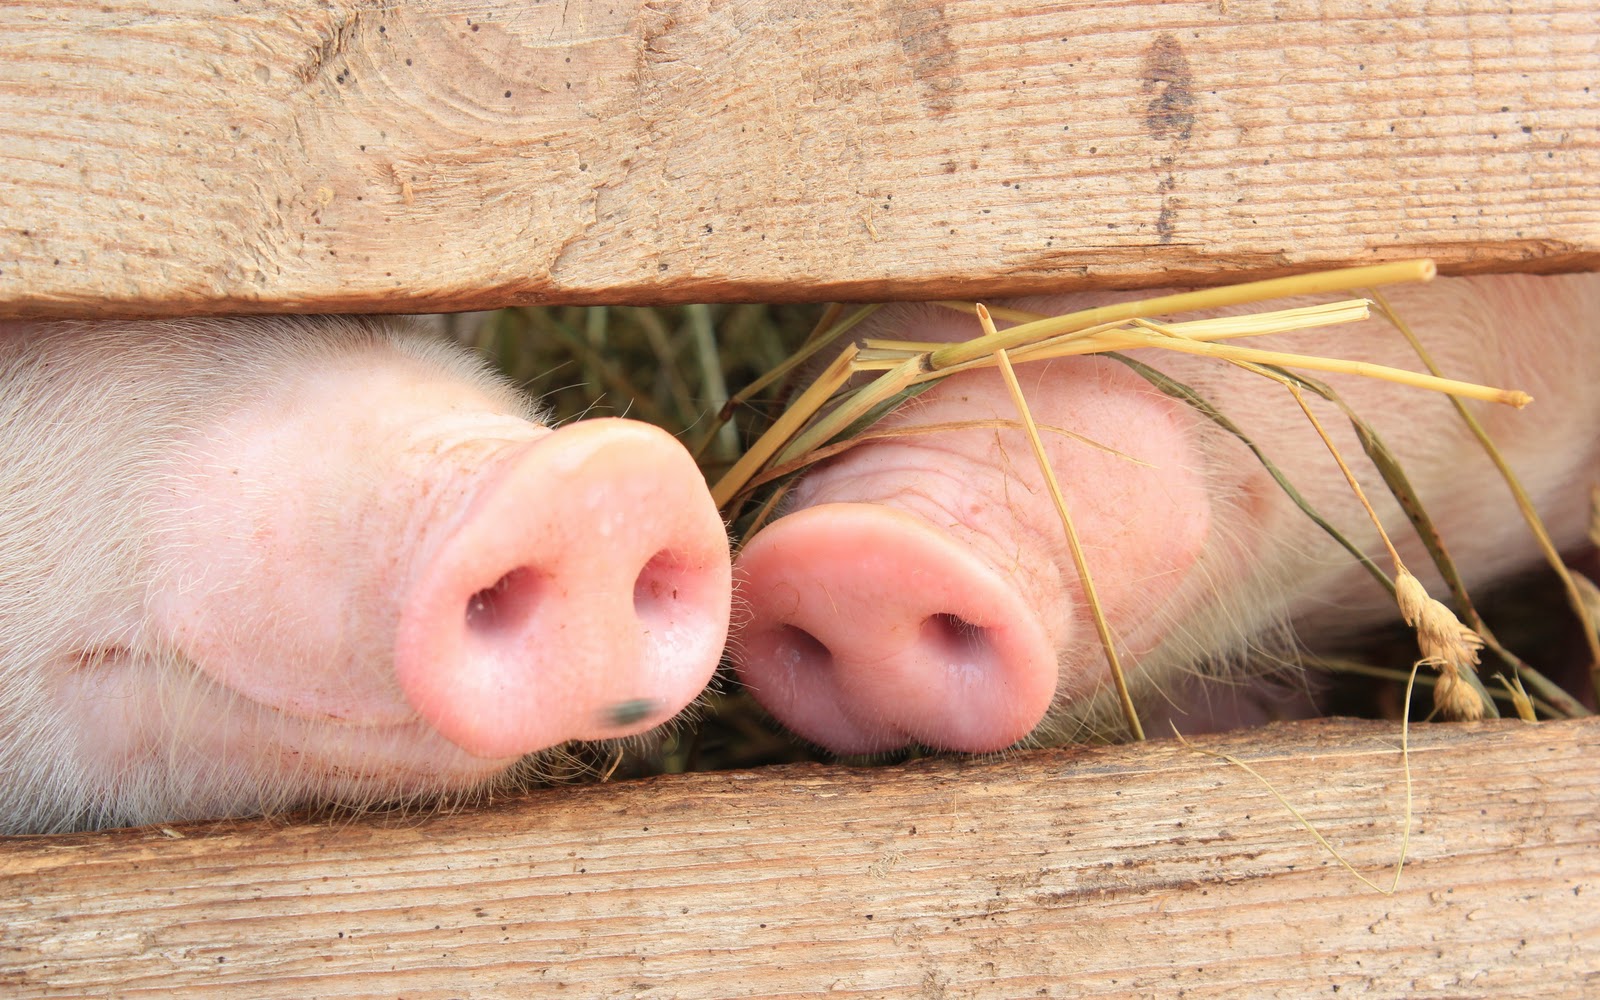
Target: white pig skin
{"points": [[169, 649]]}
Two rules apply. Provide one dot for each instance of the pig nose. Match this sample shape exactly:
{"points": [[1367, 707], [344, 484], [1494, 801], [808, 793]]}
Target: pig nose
{"points": [[870, 628], [582, 594]]}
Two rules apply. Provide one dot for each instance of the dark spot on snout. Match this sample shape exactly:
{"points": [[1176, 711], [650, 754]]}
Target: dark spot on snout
{"points": [[626, 713]]}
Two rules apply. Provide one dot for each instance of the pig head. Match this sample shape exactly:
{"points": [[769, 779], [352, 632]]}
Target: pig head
{"points": [[919, 589], [252, 563]]}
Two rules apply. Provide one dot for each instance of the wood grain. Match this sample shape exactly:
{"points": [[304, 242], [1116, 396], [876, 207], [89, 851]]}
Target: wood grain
{"points": [[1124, 871], [363, 155]]}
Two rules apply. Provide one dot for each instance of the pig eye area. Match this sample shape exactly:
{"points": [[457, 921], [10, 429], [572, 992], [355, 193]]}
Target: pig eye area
{"points": [[505, 605], [100, 658]]}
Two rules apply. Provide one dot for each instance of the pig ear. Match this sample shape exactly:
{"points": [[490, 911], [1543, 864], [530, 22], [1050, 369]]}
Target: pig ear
{"points": [[583, 594]]}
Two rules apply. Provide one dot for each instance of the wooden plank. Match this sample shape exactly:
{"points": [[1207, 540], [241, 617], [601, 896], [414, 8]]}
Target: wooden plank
{"points": [[1123, 871], [361, 155]]}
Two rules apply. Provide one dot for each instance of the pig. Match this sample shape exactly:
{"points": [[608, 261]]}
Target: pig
{"points": [[918, 590], [250, 564]]}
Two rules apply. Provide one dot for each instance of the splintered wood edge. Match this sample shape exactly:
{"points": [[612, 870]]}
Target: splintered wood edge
{"points": [[353, 156], [1095, 872]]}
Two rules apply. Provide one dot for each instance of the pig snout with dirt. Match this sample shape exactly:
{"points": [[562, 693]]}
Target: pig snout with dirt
{"points": [[251, 563], [919, 588]]}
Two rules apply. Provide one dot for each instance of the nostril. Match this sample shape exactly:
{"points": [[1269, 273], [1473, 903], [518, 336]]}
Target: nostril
{"points": [[656, 589], [958, 642], [506, 605], [795, 648]]}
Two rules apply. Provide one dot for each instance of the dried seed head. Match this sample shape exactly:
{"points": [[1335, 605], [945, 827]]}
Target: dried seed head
{"points": [[1444, 641], [1447, 645], [1441, 637], [1455, 698], [1410, 595], [1519, 697]]}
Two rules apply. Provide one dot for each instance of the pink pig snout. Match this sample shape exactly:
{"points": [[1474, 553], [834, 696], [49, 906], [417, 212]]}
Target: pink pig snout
{"points": [[921, 590], [441, 564], [582, 595], [870, 629]]}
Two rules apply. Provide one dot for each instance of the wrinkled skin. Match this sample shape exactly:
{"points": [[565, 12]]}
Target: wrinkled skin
{"points": [[248, 564], [919, 589]]}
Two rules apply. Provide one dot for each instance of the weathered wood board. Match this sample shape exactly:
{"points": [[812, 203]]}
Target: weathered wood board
{"points": [[364, 155], [1125, 871]]}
